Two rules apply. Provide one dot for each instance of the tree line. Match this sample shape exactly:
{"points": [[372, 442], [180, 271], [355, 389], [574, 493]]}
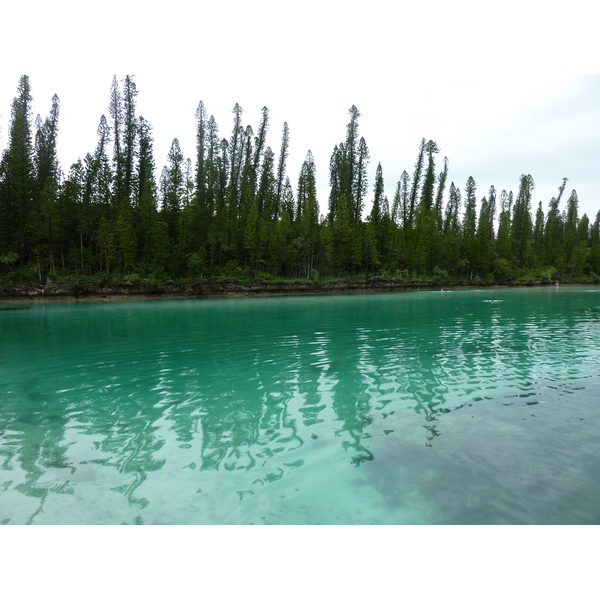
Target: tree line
{"points": [[232, 211]]}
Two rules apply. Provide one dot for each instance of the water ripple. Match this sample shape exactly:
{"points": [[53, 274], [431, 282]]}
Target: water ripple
{"points": [[302, 410]]}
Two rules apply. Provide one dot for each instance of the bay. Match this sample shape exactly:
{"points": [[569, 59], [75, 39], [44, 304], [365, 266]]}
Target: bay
{"points": [[453, 407]]}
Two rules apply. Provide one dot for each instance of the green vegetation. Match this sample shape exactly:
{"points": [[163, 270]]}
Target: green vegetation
{"points": [[233, 212]]}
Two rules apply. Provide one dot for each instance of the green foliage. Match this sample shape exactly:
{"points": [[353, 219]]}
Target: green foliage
{"points": [[9, 258], [232, 269], [234, 213], [197, 262]]}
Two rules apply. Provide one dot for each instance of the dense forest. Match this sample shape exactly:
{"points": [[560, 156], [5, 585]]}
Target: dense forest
{"points": [[233, 212]]}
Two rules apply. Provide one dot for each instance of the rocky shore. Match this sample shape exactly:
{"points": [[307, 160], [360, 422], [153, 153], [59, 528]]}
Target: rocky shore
{"points": [[223, 288], [215, 288]]}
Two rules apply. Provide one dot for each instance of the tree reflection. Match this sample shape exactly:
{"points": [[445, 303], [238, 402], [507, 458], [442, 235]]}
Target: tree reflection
{"points": [[255, 404]]}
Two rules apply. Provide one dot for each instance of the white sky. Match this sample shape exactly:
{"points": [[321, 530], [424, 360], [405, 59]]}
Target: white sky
{"points": [[503, 91], [494, 84]]}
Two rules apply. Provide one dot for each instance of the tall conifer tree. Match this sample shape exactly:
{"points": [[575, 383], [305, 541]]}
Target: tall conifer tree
{"points": [[416, 180], [469, 226], [130, 136], [115, 110], [439, 197], [431, 148], [360, 186], [281, 165], [522, 230], [46, 158], [201, 153], [17, 176]]}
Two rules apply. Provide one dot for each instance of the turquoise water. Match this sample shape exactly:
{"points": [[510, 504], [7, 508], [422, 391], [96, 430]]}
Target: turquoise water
{"points": [[424, 407]]}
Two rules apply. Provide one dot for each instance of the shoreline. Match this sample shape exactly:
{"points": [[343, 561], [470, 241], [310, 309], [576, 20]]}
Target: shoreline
{"points": [[226, 288]]}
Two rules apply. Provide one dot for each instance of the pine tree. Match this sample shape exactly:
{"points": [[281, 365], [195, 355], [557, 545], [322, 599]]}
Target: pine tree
{"points": [[248, 185], [235, 152], [483, 254], [107, 244], [307, 189], [124, 237], [73, 204], [130, 136], [583, 230], [308, 213], [452, 220], [115, 110], [261, 136], [595, 230], [283, 154], [96, 195], [252, 237], [17, 176], [378, 192], [44, 220], [46, 159], [349, 174], [213, 160], [385, 235], [146, 164], [404, 197], [361, 183], [45, 228], [492, 210], [571, 223], [594, 255], [284, 248], [554, 231], [150, 228], [416, 180], [371, 255], [379, 217], [431, 148], [423, 240], [348, 171], [521, 223], [343, 240], [267, 193], [220, 235], [187, 241], [582, 251], [335, 175], [452, 230], [288, 203], [504, 226], [100, 172], [538, 234], [439, 197], [422, 255], [469, 226], [395, 222], [201, 155], [172, 189]]}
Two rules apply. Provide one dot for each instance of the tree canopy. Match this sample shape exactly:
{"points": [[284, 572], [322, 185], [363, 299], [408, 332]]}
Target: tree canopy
{"points": [[231, 210]]}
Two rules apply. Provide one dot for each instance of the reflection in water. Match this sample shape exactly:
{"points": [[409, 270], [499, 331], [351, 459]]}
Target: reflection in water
{"points": [[358, 409]]}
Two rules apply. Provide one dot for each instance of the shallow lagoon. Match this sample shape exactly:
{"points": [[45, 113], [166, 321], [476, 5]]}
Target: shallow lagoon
{"points": [[457, 407]]}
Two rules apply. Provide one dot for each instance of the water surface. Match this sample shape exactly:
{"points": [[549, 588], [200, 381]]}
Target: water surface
{"points": [[424, 407]]}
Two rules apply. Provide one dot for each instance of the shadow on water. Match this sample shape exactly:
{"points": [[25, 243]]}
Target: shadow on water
{"points": [[509, 463]]}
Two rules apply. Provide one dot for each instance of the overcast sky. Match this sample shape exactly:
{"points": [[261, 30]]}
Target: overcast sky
{"points": [[494, 84], [503, 93]]}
